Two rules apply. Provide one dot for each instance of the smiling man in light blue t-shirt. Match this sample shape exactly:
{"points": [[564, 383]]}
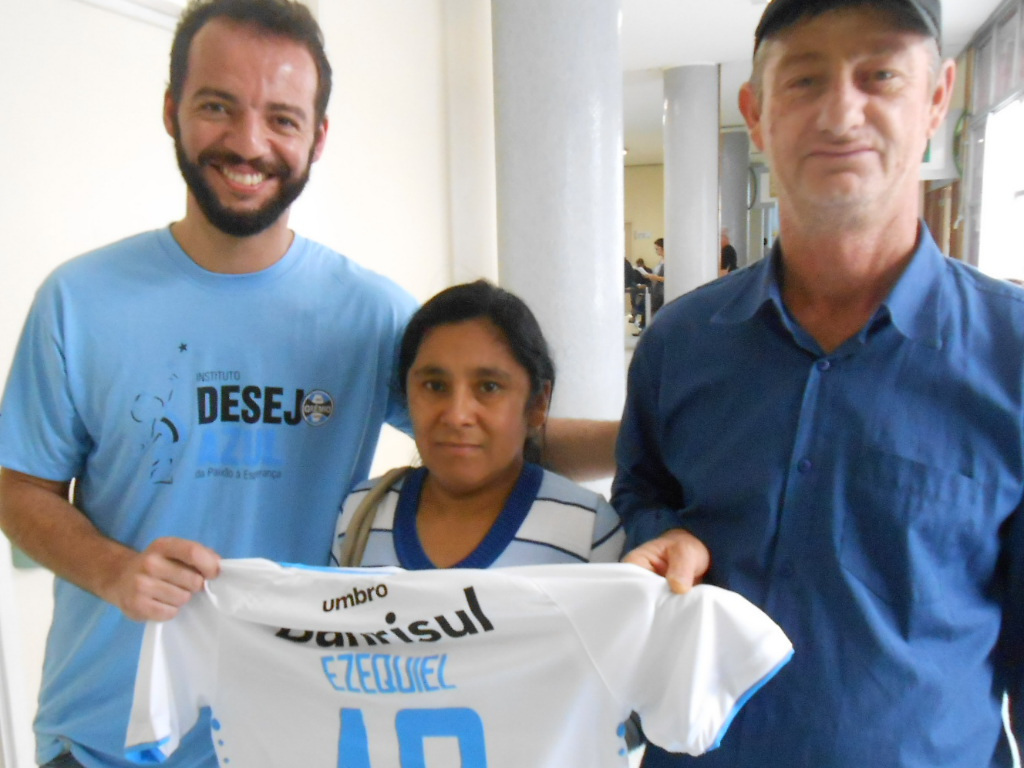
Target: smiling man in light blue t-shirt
{"points": [[214, 388]]}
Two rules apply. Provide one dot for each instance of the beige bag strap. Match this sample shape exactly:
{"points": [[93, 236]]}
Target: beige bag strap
{"points": [[359, 526]]}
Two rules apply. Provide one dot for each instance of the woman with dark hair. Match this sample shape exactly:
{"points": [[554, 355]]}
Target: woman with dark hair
{"points": [[477, 376]]}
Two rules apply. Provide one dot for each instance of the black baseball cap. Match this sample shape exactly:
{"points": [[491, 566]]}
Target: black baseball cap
{"points": [[784, 13]]}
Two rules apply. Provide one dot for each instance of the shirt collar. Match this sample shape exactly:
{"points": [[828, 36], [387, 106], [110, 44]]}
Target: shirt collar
{"points": [[762, 287], [912, 305]]}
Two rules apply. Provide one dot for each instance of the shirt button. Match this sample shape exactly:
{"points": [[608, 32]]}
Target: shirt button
{"points": [[804, 466], [824, 365]]}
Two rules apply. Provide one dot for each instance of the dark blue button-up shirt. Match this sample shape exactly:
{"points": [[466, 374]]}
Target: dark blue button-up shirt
{"points": [[868, 499]]}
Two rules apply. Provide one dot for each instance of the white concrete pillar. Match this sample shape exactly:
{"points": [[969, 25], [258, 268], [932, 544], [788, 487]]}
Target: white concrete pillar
{"points": [[558, 139], [735, 184], [691, 178], [469, 92]]}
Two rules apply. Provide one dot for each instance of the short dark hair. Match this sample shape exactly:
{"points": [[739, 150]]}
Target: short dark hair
{"points": [[659, 243], [506, 311], [286, 18]]}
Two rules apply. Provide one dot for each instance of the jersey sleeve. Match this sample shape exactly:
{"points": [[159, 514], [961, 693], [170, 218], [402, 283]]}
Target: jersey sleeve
{"points": [[176, 669], [685, 663], [706, 653], [41, 432]]}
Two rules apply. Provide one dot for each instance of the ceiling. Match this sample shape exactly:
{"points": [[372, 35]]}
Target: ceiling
{"points": [[661, 34]]}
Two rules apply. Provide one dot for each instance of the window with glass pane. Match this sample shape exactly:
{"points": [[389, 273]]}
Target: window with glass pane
{"points": [[982, 91], [1005, 64], [1001, 228], [1020, 47]]}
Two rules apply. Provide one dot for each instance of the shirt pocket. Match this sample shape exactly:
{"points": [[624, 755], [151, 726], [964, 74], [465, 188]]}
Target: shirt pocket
{"points": [[909, 529]]}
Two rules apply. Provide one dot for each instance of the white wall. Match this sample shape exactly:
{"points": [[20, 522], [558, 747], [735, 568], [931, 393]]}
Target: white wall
{"points": [[85, 157], [86, 161], [645, 209], [379, 193]]}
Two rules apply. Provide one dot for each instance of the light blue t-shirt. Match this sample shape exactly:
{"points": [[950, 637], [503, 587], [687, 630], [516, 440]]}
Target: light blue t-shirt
{"points": [[234, 410]]}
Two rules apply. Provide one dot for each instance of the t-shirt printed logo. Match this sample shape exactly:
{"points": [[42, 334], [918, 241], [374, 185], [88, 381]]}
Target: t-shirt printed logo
{"points": [[249, 404], [159, 432], [254, 404], [233, 422], [317, 407]]}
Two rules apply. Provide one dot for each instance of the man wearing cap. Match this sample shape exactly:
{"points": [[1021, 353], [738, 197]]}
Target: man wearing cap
{"points": [[836, 432]]}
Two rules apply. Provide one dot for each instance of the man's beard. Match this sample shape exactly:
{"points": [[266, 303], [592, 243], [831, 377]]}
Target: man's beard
{"points": [[239, 223]]}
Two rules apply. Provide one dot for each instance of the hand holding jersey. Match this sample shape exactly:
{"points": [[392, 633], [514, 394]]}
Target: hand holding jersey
{"points": [[157, 582], [151, 584], [677, 555]]}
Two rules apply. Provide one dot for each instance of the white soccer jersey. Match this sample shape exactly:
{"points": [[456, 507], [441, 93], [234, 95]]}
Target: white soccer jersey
{"points": [[535, 666]]}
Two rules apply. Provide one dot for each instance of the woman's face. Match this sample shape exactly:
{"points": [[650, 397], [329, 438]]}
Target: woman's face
{"points": [[471, 408]]}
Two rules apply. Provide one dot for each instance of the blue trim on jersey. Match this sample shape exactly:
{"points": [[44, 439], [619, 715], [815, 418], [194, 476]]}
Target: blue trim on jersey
{"points": [[746, 697], [148, 754], [407, 542]]}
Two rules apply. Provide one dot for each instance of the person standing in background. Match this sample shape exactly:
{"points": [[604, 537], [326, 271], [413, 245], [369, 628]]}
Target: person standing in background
{"points": [[728, 260], [657, 278], [643, 273], [634, 291]]}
